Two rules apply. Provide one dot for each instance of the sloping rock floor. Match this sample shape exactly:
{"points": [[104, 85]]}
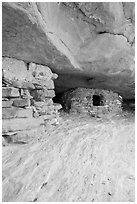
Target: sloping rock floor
{"points": [[81, 159]]}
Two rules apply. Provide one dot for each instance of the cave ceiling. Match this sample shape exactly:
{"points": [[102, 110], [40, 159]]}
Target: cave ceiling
{"points": [[87, 44]]}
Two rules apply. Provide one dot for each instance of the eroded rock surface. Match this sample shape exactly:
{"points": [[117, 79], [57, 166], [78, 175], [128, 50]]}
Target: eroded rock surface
{"points": [[81, 160], [89, 45]]}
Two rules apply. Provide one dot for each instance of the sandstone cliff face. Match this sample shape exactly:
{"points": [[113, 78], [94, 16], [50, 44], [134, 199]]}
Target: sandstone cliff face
{"points": [[88, 45]]}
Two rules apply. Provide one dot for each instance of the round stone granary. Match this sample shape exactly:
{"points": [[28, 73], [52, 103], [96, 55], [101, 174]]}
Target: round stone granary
{"points": [[94, 102]]}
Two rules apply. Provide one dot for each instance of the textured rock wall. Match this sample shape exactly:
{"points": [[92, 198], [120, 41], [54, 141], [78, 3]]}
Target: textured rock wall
{"points": [[81, 101], [27, 106], [88, 44]]}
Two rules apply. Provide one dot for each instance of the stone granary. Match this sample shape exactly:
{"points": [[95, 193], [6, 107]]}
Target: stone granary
{"points": [[95, 102]]}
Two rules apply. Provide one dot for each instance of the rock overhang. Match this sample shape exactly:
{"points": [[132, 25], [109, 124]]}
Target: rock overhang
{"points": [[91, 48]]}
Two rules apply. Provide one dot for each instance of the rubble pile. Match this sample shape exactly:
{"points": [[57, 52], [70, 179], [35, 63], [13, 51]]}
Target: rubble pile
{"points": [[81, 100], [27, 106]]}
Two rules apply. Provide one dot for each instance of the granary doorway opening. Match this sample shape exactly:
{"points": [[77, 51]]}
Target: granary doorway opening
{"points": [[98, 100]]}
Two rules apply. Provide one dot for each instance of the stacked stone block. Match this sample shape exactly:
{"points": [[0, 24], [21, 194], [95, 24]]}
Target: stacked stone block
{"points": [[80, 100], [43, 93], [27, 106]]}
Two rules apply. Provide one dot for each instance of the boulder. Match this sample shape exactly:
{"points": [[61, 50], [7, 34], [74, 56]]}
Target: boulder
{"points": [[19, 102], [57, 106], [43, 72], [17, 83], [54, 76], [14, 69], [47, 102], [41, 83], [10, 92], [25, 93], [41, 95], [23, 85]]}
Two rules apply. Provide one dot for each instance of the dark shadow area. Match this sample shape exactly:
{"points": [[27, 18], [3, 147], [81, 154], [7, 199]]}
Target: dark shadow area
{"points": [[98, 100], [128, 105], [64, 100], [57, 98]]}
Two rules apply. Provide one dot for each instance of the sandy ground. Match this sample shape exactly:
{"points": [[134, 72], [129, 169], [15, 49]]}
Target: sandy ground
{"points": [[81, 159]]}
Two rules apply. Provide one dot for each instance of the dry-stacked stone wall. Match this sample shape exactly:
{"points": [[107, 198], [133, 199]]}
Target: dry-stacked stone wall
{"points": [[81, 100], [27, 106]]}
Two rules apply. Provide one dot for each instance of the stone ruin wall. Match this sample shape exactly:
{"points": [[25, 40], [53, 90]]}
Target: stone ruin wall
{"points": [[80, 100], [27, 106]]}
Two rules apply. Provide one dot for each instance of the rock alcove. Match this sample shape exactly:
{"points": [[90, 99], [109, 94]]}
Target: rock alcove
{"points": [[88, 45], [28, 98], [68, 101]]}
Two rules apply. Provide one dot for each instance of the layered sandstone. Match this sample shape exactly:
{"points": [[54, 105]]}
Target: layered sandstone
{"points": [[89, 45]]}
